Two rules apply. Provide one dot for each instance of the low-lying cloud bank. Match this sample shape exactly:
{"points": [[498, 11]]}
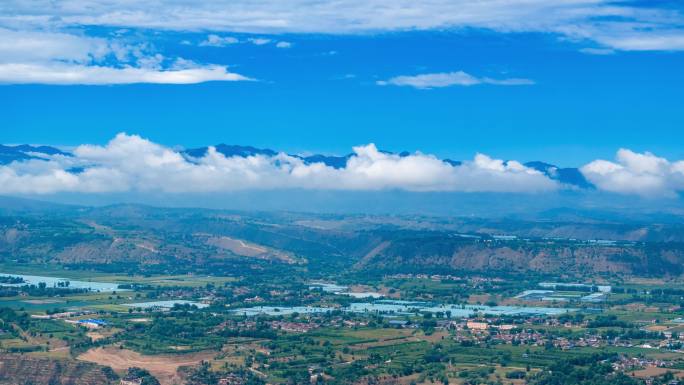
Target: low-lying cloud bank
{"points": [[633, 173], [129, 163]]}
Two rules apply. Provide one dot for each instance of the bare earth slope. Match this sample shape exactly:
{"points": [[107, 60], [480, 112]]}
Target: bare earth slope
{"points": [[22, 369]]}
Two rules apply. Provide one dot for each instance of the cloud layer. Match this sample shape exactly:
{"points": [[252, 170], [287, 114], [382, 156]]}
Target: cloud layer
{"points": [[130, 163]]}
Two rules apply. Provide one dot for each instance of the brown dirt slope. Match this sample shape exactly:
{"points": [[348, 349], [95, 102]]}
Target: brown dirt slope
{"points": [[163, 367], [443, 254], [22, 369]]}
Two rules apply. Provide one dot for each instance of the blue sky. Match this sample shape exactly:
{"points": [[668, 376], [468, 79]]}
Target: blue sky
{"points": [[321, 93], [590, 84], [580, 107]]}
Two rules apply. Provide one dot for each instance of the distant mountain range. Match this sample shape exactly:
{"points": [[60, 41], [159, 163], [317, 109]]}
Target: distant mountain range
{"points": [[127, 237], [9, 154], [570, 176]]}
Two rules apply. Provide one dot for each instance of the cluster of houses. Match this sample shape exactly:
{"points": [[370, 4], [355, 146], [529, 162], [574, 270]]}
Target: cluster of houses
{"points": [[443, 277], [630, 363], [231, 379], [293, 327], [492, 330], [130, 381]]}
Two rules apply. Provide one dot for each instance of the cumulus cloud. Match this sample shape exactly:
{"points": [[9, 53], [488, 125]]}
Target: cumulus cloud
{"points": [[637, 173], [67, 58], [620, 25], [447, 79], [130, 163]]}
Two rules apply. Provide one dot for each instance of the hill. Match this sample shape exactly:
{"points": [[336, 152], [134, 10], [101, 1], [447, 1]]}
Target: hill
{"points": [[135, 238]]}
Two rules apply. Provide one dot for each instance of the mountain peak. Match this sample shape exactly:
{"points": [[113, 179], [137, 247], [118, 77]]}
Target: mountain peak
{"points": [[570, 176]]}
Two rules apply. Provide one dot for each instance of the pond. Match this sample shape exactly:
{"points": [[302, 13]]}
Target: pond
{"points": [[54, 281], [280, 310], [456, 310], [390, 307], [343, 290]]}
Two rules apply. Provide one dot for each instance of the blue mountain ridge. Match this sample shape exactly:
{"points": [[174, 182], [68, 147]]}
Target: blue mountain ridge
{"points": [[9, 154], [570, 176]]}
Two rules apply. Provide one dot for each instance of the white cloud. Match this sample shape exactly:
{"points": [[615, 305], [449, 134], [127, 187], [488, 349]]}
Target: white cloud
{"points": [[259, 40], [650, 43], [61, 58], [214, 40], [637, 173], [617, 25], [218, 41], [598, 51], [669, 40], [130, 163], [67, 74], [447, 79], [41, 46]]}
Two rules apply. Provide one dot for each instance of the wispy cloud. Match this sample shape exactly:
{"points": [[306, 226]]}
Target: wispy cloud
{"points": [[69, 74], [447, 79], [214, 40], [54, 35], [259, 40], [218, 41], [598, 51], [651, 40]]}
